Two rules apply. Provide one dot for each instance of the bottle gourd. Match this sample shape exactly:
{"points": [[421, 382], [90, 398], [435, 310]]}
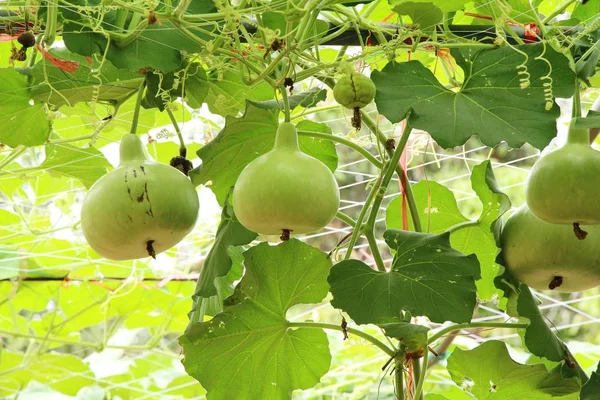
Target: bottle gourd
{"points": [[285, 190], [140, 208], [564, 186], [548, 256]]}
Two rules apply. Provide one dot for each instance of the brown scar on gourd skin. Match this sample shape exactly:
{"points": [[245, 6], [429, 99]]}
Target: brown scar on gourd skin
{"points": [[150, 249], [579, 233], [285, 235], [557, 281]]}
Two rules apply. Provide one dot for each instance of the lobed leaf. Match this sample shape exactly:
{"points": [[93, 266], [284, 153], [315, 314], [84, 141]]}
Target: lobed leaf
{"points": [[488, 101], [428, 277], [251, 338]]}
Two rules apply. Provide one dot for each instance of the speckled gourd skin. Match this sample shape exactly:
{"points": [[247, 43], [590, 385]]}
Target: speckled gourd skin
{"points": [[536, 251], [140, 201], [354, 91], [285, 189]]}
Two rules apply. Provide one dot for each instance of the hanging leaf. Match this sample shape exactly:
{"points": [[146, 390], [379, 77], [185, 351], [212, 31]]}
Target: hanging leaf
{"points": [[251, 338], [208, 300], [488, 372], [428, 277], [538, 337], [488, 102], [438, 212]]}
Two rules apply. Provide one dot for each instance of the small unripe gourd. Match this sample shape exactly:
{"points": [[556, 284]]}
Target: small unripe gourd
{"points": [[285, 190], [140, 208], [564, 186], [354, 91], [548, 256]]}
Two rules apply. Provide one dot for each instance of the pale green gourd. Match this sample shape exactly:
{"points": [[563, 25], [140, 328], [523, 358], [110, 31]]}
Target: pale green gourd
{"points": [[285, 190], [140, 208], [544, 255], [564, 186]]}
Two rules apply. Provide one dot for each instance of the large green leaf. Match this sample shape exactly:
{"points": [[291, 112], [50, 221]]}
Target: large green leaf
{"points": [[92, 80], [246, 138], [263, 357], [428, 277], [490, 103], [438, 212], [85, 164], [490, 373], [21, 122], [539, 338]]}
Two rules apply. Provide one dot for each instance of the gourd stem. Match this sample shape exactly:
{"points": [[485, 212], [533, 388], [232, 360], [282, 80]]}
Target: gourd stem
{"points": [[182, 148], [286, 104], [577, 136], [576, 112], [136, 111], [286, 137]]}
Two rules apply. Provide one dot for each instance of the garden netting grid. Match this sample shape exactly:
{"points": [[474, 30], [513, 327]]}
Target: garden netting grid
{"points": [[138, 356]]}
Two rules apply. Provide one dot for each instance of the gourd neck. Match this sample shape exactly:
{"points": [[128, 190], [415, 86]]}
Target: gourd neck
{"points": [[578, 136], [131, 149], [286, 137]]}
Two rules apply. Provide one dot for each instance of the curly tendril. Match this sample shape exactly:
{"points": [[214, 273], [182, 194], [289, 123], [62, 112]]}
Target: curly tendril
{"points": [[546, 79]]}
